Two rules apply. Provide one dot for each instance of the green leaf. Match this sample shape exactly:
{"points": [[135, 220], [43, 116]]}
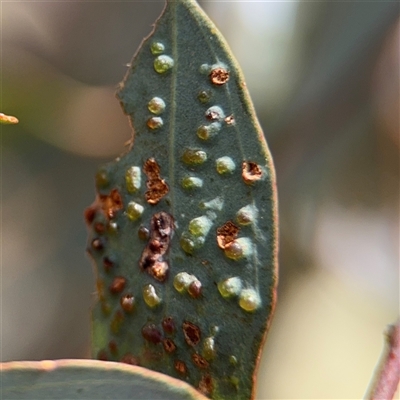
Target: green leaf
{"points": [[184, 228], [89, 379]]}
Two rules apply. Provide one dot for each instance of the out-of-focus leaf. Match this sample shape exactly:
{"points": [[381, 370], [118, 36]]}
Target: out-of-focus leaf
{"points": [[89, 379], [8, 119]]}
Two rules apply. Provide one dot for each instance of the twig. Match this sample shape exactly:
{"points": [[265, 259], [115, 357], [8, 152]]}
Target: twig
{"points": [[387, 374]]}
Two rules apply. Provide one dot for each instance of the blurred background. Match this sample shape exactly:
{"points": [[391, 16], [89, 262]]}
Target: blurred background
{"points": [[324, 77]]}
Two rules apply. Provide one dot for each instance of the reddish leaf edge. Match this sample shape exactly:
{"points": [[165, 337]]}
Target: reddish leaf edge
{"points": [[385, 381]]}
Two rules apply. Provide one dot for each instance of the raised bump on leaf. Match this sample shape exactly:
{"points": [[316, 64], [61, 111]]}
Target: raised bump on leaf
{"points": [[156, 105]]}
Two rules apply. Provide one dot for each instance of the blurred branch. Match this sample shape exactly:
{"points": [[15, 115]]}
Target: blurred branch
{"points": [[387, 375]]}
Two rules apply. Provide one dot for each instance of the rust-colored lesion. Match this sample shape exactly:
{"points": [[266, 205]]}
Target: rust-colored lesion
{"points": [[169, 345], [200, 361], [111, 203], [206, 385], [99, 227], [251, 172], [195, 289], [107, 204], [108, 263], [191, 333], [168, 325], [156, 187], [230, 119], [226, 234], [219, 76], [160, 270], [152, 259], [117, 285], [90, 213], [180, 367], [128, 302], [151, 333]]}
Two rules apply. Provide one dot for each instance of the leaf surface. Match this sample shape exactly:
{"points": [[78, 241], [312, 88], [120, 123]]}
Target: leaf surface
{"points": [[184, 228], [88, 379]]}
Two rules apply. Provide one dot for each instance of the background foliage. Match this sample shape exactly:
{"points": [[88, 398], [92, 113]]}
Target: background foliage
{"points": [[324, 80]]}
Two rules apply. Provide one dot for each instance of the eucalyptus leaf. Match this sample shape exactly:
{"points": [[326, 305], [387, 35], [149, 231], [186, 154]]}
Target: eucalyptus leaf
{"points": [[183, 231], [88, 379]]}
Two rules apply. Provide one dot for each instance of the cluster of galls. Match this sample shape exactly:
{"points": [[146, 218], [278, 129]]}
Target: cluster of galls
{"points": [[152, 259]]}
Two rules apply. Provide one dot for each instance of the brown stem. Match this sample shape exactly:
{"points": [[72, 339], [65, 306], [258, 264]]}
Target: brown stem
{"points": [[387, 374]]}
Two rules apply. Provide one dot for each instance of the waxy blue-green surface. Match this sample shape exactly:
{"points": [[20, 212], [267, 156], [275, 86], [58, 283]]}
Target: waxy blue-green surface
{"points": [[87, 380], [193, 49]]}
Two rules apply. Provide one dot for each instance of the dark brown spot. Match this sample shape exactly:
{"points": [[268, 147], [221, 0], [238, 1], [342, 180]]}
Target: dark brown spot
{"points": [[206, 385], [117, 321], [99, 227], [219, 76], [192, 333], [195, 289], [180, 367], [148, 261], [226, 234], [157, 188], [102, 355], [230, 119], [163, 224], [199, 361], [154, 245], [98, 243], [168, 325], [90, 214], [251, 172], [169, 345], [151, 333], [118, 284], [129, 359], [112, 345], [213, 115], [154, 122], [127, 303], [152, 259], [111, 203], [108, 263], [143, 233]]}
